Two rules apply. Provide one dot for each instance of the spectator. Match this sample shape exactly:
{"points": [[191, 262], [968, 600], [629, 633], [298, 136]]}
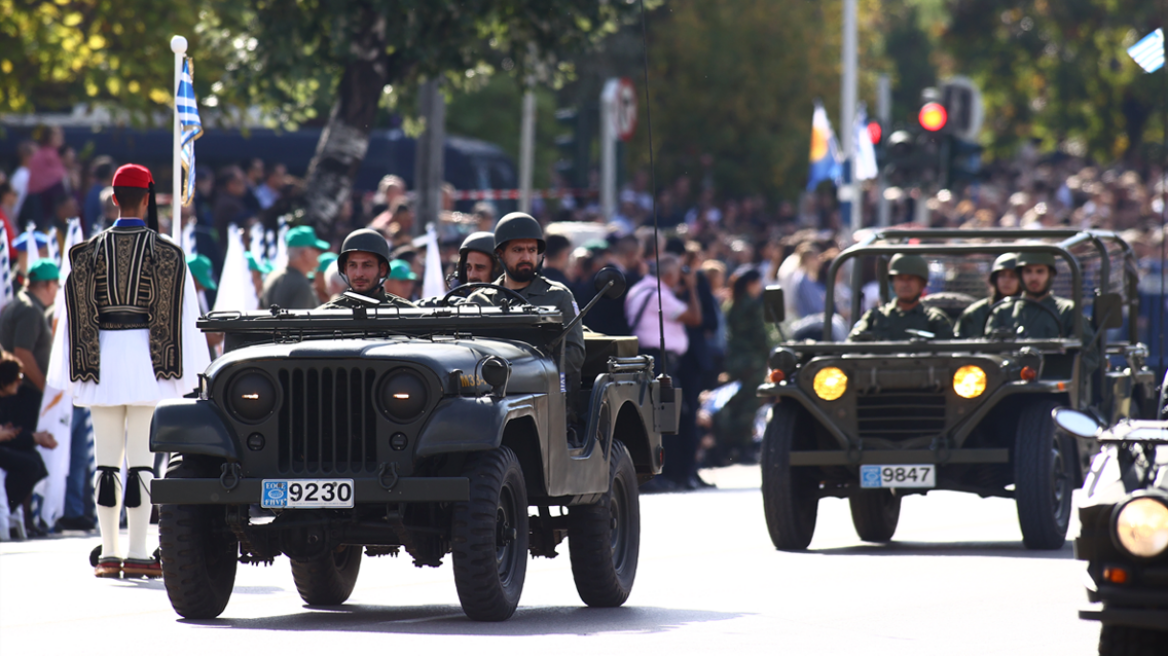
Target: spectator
{"points": [[253, 175], [229, 203], [555, 259], [269, 191], [396, 222], [46, 175], [101, 170], [22, 465], [19, 180], [390, 190], [401, 280], [25, 331], [289, 287], [7, 201], [484, 215]]}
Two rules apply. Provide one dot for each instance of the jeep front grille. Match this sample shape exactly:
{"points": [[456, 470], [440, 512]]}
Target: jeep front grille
{"points": [[900, 414], [327, 420]]}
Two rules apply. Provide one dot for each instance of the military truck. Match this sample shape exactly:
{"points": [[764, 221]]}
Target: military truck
{"points": [[875, 421], [1124, 532], [329, 435]]}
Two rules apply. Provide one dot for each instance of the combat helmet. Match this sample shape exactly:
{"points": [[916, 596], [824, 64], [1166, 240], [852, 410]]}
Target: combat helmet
{"points": [[367, 241], [483, 242], [908, 265], [1004, 262], [518, 225], [1029, 258]]}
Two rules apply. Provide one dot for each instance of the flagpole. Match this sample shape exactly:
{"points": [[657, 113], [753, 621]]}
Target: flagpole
{"points": [[178, 45]]}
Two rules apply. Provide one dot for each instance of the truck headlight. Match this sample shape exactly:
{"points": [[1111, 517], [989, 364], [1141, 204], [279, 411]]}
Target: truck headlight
{"points": [[969, 382], [251, 396], [1141, 527], [403, 396], [830, 383]]}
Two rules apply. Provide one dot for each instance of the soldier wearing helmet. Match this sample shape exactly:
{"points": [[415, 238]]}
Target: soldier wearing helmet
{"points": [[364, 264], [1025, 317], [908, 274], [519, 245], [1003, 282], [476, 259]]}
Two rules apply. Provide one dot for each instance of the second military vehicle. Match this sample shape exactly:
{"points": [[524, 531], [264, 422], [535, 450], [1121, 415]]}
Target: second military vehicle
{"points": [[874, 421]]}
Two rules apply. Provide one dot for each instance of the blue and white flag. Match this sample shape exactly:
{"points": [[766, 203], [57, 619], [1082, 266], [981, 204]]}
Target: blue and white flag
{"points": [[6, 290], [1149, 51], [865, 166], [192, 128], [825, 159]]}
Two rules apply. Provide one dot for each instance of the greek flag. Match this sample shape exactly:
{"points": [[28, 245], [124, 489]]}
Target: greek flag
{"points": [[192, 128], [1149, 52], [6, 290]]}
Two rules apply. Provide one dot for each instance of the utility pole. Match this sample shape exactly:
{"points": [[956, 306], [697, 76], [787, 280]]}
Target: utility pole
{"points": [[429, 160], [850, 192], [884, 115], [527, 148]]}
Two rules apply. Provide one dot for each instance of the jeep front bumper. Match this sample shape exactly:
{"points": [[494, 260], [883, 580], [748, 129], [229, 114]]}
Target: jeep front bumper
{"points": [[201, 491]]}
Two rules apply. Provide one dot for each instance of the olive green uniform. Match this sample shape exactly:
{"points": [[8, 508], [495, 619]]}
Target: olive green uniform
{"points": [[26, 323], [971, 324], [746, 354], [380, 294], [888, 323], [1037, 323], [542, 291], [289, 289]]}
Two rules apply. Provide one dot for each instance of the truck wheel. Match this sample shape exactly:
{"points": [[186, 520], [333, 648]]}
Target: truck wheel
{"points": [[790, 495], [489, 537], [328, 581], [875, 514], [1130, 641], [1044, 465], [198, 550], [604, 538]]}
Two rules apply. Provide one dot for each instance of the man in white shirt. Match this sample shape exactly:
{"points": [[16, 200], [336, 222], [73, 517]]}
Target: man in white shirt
{"points": [[19, 179]]}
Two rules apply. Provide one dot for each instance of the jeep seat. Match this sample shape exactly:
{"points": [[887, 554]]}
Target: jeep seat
{"points": [[951, 303], [598, 348]]}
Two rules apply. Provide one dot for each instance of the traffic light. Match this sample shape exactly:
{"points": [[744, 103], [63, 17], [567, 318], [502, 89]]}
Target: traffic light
{"points": [[933, 116], [574, 146]]}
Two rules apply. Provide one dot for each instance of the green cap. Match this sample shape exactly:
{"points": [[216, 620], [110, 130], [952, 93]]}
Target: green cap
{"points": [[596, 245], [44, 270], [258, 265], [200, 266], [400, 270], [305, 236], [326, 258]]}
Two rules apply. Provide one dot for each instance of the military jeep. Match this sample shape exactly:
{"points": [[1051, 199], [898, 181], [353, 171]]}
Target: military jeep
{"points": [[874, 421], [329, 435]]}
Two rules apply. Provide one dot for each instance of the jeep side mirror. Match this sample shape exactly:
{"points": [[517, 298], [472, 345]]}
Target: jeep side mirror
{"points": [[611, 274], [773, 304], [1107, 311], [1075, 422]]}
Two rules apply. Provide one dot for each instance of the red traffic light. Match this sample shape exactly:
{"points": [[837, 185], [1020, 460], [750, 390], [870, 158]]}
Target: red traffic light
{"points": [[874, 132], [933, 116]]}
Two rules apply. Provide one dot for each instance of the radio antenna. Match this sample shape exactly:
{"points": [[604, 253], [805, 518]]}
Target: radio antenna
{"points": [[666, 381]]}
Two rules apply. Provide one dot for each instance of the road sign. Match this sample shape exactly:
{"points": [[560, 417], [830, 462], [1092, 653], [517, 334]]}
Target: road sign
{"points": [[623, 103]]}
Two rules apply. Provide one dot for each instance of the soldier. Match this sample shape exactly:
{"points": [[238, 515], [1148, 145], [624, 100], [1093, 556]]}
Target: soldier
{"points": [[364, 264], [128, 339], [909, 275], [1003, 283], [476, 259], [519, 243]]}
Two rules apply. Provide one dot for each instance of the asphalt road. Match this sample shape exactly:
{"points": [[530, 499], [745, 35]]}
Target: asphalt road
{"points": [[956, 581]]}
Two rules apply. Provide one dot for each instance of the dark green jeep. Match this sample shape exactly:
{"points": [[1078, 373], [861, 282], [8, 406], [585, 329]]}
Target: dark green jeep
{"points": [[874, 421], [327, 435]]}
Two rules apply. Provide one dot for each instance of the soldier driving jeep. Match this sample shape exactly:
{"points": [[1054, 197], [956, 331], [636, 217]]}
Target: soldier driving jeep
{"points": [[909, 274]]}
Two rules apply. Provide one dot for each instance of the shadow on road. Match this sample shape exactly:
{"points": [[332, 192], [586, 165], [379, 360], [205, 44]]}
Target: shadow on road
{"points": [[965, 549], [449, 620]]}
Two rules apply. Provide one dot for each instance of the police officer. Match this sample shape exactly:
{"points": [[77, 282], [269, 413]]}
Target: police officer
{"points": [[909, 275], [364, 264], [1003, 283], [519, 243]]}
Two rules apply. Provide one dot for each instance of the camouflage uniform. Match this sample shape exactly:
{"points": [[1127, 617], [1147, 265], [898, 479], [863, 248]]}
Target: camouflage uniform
{"points": [[746, 354], [888, 323]]}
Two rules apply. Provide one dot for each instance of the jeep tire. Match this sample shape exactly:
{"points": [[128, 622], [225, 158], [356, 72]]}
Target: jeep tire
{"points": [[604, 538], [875, 514], [1130, 641], [1044, 477], [328, 580], [198, 551], [489, 536], [790, 495]]}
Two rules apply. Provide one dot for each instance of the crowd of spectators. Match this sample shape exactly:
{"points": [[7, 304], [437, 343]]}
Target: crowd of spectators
{"points": [[714, 255]]}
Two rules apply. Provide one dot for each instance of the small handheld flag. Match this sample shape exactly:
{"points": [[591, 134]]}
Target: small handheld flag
{"points": [[6, 290], [192, 128], [1149, 51]]}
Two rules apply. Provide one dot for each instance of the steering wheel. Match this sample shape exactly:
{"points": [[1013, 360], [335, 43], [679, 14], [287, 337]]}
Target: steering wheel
{"points": [[1058, 323], [461, 289]]}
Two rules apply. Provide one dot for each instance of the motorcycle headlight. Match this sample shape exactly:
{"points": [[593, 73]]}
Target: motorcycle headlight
{"points": [[969, 382], [830, 383], [403, 396], [1141, 527], [251, 396]]}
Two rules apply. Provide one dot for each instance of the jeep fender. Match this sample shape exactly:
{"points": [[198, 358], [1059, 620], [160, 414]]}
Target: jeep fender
{"points": [[191, 426], [461, 424]]}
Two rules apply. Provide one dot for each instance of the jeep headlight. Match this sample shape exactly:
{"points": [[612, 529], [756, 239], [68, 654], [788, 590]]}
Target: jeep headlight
{"points": [[403, 395], [830, 383], [1141, 527], [251, 396], [969, 382]]}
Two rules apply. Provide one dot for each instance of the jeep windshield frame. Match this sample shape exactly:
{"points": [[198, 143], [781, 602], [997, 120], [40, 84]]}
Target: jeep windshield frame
{"points": [[878, 243]]}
